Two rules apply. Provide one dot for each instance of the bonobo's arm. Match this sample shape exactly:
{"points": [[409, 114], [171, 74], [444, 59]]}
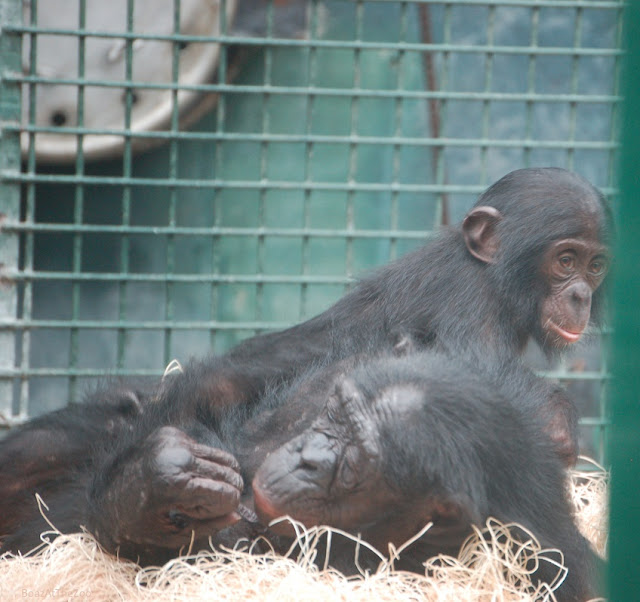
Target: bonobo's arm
{"points": [[558, 413], [242, 375], [562, 424], [155, 497], [546, 400]]}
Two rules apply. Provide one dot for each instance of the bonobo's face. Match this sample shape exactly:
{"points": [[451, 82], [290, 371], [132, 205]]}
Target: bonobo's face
{"points": [[573, 268], [331, 474]]}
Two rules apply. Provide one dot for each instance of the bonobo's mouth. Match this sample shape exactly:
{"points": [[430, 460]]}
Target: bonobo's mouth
{"points": [[267, 512], [263, 507], [566, 335]]}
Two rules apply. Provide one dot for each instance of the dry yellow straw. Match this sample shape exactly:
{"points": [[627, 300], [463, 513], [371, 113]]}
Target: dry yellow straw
{"points": [[491, 566]]}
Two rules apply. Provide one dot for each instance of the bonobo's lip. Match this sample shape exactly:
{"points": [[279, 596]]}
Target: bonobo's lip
{"points": [[267, 512], [263, 507], [567, 335]]}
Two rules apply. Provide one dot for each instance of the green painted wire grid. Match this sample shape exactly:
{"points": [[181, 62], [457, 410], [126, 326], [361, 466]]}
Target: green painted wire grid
{"points": [[326, 154]]}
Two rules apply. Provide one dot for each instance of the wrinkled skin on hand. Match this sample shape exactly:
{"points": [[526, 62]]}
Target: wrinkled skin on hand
{"points": [[176, 489]]}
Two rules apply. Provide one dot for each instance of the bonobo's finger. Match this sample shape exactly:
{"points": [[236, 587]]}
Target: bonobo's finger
{"points": [[207, 499], [217, 524], [216, 472], [214, 454], [185, 526]]}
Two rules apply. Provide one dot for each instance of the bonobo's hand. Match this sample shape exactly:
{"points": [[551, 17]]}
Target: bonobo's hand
{"points": [[175, 490]]}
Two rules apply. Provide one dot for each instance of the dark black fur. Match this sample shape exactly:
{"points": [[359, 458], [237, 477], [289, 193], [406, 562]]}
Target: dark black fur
{"points": [[493, 459], [47, 454], [440, 294], [465, 447]]}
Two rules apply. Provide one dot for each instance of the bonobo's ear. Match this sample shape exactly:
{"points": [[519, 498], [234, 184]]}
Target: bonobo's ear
{"points": [[403, 344], [347, 389], [447, 512], [479, 230], [451, 522]]}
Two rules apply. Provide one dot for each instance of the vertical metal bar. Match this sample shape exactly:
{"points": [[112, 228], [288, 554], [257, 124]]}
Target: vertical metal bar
{"points": [[78, 207], [10, 107], [605, 394], [613, 133], [126, 191], [173, 174], [442, 210], [531, 83], [353, 146], [398, 110], [434, 108], [575, 62], [486, 104], [312, 55], [624, 448], [216, 258], [264, 161], [26, 303]]}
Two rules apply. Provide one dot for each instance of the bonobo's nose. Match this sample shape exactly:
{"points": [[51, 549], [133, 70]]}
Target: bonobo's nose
{"points": [[317, 459], [581, 296]]}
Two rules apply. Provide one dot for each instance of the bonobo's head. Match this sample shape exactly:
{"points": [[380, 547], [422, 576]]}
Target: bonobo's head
{"points": [[372, 462], [543, 234]]}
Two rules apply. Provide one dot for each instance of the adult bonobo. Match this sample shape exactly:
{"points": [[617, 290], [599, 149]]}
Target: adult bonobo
{"points": [[377, 447], [406, 441]]}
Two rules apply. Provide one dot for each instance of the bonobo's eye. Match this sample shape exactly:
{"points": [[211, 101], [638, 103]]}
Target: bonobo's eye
{"points": [[334, 411], [567, 261], [337, 405], [598, 266], [347, 475]]}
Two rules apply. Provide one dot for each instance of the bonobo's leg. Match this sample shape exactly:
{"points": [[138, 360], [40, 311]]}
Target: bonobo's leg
{"points": [[162, 494], [46, 454]]}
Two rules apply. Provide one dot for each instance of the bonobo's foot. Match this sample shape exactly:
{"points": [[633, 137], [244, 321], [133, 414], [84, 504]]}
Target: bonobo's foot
{"points": [[172, 491]]}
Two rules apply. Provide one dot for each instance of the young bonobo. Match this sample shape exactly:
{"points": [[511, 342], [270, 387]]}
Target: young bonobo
{"points": [[376, 447], [526, 263]]}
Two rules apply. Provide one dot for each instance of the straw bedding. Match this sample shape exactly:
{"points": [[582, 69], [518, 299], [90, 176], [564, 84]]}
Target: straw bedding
{"points": [[490, 566]]}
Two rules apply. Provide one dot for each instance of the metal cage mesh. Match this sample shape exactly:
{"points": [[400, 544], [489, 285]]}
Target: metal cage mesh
{"points": [[327, 138]]}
